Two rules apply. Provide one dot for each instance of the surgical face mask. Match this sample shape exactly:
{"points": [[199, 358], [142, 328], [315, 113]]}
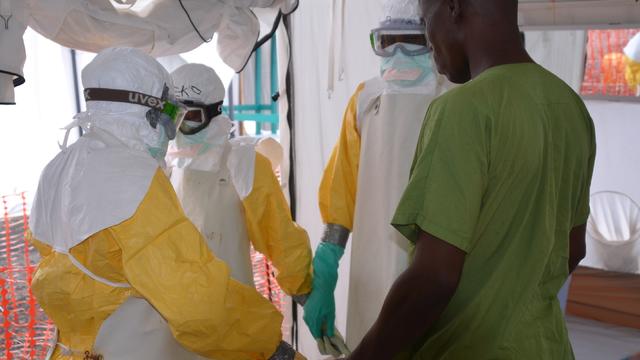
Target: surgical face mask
{"points": [[404, 70], [216, 134], [159, 150]]}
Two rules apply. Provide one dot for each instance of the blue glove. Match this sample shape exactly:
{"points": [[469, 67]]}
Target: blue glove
{"points": [[320, 308]]}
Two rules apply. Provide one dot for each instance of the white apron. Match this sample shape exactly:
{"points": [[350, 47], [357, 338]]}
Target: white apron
{"points": [[212, 203], [96, 173], [389, 125]]}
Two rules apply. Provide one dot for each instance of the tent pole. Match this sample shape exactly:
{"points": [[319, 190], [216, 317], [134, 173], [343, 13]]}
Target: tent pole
{"points": [[76, 84], [292, 160]]}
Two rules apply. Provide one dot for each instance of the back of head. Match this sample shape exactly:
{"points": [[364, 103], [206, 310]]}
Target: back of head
{"points": [[124, 69], [129, 70], [461, 31]]}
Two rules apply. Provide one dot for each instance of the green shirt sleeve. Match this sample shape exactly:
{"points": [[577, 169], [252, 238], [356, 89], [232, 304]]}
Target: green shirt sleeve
{"points": [[448, 176], [583, 211]]}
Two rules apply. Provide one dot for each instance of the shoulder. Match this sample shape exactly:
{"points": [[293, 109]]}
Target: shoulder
{"points": [[242, 164]]}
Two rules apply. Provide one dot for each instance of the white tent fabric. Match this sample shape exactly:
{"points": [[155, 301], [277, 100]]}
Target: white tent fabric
{"points": [[159, 27], [561, 52], [318, 117]]}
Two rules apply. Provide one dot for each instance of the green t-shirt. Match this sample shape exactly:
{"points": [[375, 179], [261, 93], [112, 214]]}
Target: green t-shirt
{"points": [[502, 171]]}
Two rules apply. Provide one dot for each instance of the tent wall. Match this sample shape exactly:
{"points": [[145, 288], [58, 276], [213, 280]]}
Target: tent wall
{"points": [[617, 166], [318, 117]]}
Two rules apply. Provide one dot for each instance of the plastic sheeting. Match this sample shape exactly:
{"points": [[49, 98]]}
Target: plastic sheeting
{"points": [[159, 27]]}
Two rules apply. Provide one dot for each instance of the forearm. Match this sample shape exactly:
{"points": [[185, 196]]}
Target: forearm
{"points": [[407, 314], [577, 246]]}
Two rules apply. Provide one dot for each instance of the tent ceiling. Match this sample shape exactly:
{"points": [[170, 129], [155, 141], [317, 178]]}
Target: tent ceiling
{"points": [[160, 27], [578, 14]]}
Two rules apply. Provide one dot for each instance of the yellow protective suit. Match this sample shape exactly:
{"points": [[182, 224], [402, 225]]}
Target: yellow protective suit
{"points": [[339, 185], [273, 233], [163, 257]]}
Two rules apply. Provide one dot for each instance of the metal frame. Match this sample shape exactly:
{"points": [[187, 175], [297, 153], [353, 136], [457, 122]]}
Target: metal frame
{"points": [[260, 112]]}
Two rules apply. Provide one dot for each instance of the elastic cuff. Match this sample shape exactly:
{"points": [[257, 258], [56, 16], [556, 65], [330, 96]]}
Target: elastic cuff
{"points": [[336, 234]]}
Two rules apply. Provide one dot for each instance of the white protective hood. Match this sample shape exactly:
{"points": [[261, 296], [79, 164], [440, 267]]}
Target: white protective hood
{"points": [[158, 27]]}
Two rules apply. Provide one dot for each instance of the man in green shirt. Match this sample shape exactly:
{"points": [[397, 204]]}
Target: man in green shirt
{"points": [[496, 204]]}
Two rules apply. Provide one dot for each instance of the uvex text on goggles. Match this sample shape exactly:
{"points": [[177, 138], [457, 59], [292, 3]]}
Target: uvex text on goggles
{"points": [[162, 111]]}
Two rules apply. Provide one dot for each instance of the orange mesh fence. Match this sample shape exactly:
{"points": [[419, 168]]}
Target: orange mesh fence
{"points": [[605, 64], [264, 278], [26, 333]]}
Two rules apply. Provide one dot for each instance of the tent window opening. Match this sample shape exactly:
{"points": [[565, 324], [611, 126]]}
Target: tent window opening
{"points": [[256, 105], [611, 69]]}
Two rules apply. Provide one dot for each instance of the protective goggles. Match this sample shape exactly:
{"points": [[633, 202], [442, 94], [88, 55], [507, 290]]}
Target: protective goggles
{"points": [[162, 111], [198, 116], [383, 38]]}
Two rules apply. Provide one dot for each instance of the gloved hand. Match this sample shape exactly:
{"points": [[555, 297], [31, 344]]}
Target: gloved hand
{"points": [[320, 308], [286, 352], [334, 346]]}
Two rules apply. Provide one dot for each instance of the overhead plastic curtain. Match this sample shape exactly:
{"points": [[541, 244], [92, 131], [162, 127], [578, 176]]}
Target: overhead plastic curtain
{"points": [[159, 27]]}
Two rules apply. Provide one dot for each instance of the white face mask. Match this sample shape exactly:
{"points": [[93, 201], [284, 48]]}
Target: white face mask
{"points": [[404, 70], [159, 150], [216, 134]]}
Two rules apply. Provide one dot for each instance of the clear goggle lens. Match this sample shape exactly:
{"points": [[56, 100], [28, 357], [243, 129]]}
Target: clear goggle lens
{"points": [[198, 116], [383, 41]]}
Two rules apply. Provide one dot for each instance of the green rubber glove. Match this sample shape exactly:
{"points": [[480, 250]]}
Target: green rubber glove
{"points": [[320, 308]]}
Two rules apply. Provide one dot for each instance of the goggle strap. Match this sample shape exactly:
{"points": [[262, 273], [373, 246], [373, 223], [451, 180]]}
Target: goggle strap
{"points": [[214, 109], [124, 96]]}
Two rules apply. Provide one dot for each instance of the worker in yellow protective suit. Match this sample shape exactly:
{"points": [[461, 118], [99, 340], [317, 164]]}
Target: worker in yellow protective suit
{"points": [[379, 135], [230, 191], [124, 274]]}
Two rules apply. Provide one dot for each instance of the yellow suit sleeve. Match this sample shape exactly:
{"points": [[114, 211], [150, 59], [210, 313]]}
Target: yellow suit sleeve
{"points": [[339, 183], [273, 232], [168, 262]]}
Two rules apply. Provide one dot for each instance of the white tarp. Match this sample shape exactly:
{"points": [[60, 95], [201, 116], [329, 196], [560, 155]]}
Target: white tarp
{"points": [[159, 27], [318, 117]]}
